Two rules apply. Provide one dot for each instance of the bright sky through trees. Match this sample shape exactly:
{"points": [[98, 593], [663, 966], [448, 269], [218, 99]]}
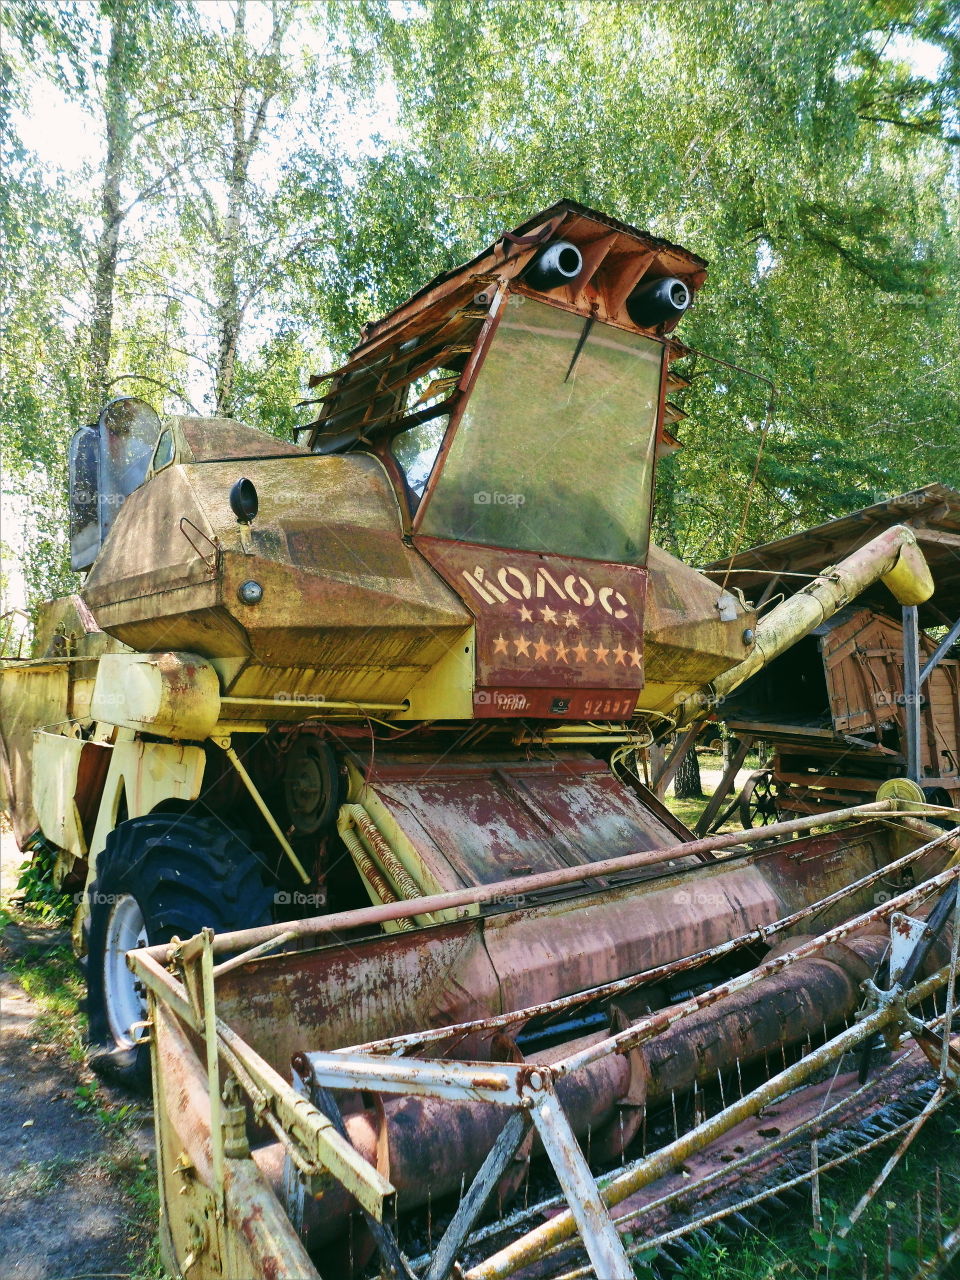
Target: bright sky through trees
{"points": [[206, 200]]}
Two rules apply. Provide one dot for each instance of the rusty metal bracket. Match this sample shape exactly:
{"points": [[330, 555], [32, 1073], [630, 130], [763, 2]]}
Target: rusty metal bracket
{"points": [[529, 1090], [210, 562], [394, 1264], [307, 1134], [227, 748]]}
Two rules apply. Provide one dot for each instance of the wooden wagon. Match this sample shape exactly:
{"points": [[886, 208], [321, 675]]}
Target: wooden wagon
{"points": [[869, 695]]}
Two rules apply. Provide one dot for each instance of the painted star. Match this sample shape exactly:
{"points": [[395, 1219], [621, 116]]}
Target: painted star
{"points": [[548, 614], [570, 618], [522, 646], [525, 614], [601, 653], [635, 657], [619, 653], [580, 652], [541, 649], [500, 644], [560, 649]]}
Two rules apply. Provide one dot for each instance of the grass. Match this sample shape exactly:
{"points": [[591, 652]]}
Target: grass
{"points": [[689, 811], [905, 1218]]}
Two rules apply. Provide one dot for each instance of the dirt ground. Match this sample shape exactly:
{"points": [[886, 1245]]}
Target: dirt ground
{"points": [[63, 1212]]}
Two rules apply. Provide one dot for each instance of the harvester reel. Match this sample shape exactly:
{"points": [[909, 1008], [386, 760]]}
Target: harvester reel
{"points": [[759, 800]]}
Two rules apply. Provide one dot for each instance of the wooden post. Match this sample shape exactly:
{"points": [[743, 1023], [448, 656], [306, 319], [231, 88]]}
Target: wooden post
{"points": [[724, 787], [663, 778]]}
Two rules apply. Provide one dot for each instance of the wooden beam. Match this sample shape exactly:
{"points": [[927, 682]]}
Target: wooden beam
{"points": [[724, 787], [674, 760], [936, 536]]}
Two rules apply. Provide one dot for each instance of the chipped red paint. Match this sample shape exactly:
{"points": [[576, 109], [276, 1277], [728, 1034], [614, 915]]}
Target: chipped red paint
{"points": [[548, 626]]}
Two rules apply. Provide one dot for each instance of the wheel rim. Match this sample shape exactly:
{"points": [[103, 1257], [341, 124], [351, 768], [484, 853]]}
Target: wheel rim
{"points": [[758, 804], [124, 996], [763, 803]]}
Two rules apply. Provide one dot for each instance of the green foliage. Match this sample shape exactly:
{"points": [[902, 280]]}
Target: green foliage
{"points": [[808, 150], [40, 896], [746, 131]]}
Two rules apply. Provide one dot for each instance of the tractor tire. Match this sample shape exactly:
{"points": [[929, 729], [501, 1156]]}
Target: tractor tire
{"points": [[160, 876]]}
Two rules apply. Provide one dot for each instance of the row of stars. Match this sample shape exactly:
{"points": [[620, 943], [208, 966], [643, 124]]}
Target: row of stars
{"points": [[549, 615], [541, 651]]}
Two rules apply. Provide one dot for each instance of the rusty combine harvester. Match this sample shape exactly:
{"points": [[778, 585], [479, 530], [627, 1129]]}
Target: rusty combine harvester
{"points": [[340, 736], [871, 694]]}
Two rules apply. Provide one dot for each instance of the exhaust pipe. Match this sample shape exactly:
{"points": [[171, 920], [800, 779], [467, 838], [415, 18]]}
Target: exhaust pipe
{"points": [[556, 264], [657, 301]]}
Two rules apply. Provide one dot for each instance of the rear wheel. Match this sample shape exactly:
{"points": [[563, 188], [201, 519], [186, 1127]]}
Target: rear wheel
{"points": [[160, 876]]}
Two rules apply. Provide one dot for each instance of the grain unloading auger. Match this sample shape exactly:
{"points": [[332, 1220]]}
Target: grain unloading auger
{"points": [[406, 663]]}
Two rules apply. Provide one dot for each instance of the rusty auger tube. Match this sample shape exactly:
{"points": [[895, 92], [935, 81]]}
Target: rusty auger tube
{"points": [[892, 557], [655, 1023], [537, 1242], [784, 1010], [364, 917]]}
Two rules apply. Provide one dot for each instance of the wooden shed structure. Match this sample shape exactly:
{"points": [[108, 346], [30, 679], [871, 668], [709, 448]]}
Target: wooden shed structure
{"points": [[872, 694]]}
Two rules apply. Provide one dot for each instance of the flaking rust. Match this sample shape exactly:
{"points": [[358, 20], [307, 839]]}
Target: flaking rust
{"points": [[359, 719]]}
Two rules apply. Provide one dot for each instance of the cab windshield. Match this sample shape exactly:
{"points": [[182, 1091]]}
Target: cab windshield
{"points": [[555, 448]]}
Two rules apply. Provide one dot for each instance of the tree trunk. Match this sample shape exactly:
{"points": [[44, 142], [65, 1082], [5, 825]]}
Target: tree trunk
{"points": [[225, 283], [686, 783], [117, 120]]}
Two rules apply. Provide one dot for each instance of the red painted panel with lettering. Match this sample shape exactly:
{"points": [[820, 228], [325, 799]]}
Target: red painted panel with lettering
{"points": [[556, 636]]}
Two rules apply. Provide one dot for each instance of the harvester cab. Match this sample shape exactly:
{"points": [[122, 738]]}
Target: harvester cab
{"points": [[519, 404], [400, 669]]}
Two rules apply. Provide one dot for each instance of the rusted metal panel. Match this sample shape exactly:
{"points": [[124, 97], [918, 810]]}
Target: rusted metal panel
{"points": [[328, 554], [257, 1238], [547, 622], [377, 987], [380, 982], [213, 439], [508, 817], [513, 250]]}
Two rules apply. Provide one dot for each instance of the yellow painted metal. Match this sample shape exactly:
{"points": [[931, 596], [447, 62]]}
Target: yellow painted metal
{"points": [[313, 706], [213, 1067], [175, 695], [250, 1235], [445, 692], [373, 878], [346, 604], [248, 782], [904, 789], [316, 1137], [910, 580], [893, 556], [56, 762], [28, 698]]}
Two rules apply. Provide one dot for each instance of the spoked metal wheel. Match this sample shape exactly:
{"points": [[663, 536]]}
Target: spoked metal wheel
{"points": [[759, 800], [123, 994]]}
